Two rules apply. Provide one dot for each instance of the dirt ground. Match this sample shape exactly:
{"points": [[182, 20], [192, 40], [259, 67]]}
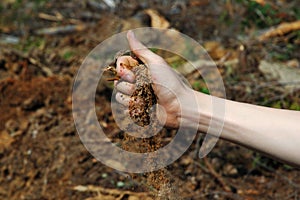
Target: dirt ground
{"points": [[41, 154]]}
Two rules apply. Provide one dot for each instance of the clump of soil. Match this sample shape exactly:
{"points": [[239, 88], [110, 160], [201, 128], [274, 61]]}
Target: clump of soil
{"points": [[143, 98], [142, 112]]}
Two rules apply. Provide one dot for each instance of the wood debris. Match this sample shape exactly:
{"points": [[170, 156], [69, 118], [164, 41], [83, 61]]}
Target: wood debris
{"points": [[46, 70], [61, 29], [280, 30], [106, 193], [57, 17], [157, 20]]}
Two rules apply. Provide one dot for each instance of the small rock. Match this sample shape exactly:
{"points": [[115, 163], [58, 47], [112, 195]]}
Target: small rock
{"points": [[230, 170], [189, 170], [12, 126], [34, 133], [186, 161], [97, 5], [288, 76], [104, 175], [31, 104], [120, 184]]}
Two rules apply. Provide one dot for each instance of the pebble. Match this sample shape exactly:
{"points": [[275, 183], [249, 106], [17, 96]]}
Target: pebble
{"points": [[11, 125], [120, 184], [230, 170]]}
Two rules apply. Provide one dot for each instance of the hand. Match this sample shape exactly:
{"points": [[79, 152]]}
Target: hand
{"points": [[167, 85]]}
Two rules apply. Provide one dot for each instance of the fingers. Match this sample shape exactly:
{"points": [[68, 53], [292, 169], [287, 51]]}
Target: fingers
{"points": [[124, 87], [141, 51], [123, 99], [124, 64]]}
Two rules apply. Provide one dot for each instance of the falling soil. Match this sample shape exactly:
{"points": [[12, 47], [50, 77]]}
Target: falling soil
{"points": [[142, 111], [41, 154]]}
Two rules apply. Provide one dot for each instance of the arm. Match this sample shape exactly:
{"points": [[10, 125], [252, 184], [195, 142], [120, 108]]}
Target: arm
{"points": [[271, 131]]}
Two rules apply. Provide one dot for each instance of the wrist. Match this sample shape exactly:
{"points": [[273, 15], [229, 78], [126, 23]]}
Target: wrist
{"points": [[195, 110]]}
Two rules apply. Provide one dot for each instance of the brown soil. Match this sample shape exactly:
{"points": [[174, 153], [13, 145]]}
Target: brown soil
{"points": [[41, 155]]}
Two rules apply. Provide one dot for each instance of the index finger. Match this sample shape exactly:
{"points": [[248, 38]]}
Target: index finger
{"points": [[141, 51]]}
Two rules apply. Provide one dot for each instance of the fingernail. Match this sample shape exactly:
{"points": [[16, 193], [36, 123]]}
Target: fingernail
{"points": [[129, 78], [131, 34]]}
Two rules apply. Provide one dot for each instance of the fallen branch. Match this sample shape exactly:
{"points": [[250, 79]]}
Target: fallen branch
{"points": [[104, 193], [56, 18], [282, 29], [61, 29]]}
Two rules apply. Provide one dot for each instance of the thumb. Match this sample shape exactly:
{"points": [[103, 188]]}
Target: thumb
{"points": [[140, 50]]}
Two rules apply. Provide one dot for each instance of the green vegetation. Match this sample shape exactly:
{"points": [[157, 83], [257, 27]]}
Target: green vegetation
{"points": [[296, 12], [17, 4], [40, 2], [265, 162], [196, 85], [204, 90], [295, 106], [68, 55], [258, 15], [200, 86], [154, 50], [225, 18], [32, 42], [286, 52], [177, 63]]}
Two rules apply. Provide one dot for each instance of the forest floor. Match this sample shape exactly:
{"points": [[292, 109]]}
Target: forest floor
{"points": [[41, 154]]}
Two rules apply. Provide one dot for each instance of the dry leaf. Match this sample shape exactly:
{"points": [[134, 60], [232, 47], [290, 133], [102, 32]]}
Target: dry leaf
{"points": [[215, 49], [5, 140], [261, 2], [199, 3], [157, 21]]}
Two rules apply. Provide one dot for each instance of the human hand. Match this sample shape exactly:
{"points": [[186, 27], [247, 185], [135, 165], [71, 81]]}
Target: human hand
{"points": [[167, 85]]}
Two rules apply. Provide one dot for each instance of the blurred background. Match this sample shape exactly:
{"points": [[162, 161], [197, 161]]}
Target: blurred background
{"points": [[255, 44]]}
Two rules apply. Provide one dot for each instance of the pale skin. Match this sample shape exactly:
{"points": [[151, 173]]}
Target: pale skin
{"points": [[274, 132]]}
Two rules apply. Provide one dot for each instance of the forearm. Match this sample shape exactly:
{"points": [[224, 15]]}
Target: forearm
{"points": [[271, 131]]}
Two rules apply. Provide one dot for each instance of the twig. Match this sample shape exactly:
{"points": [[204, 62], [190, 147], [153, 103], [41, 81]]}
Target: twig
{"points": [[57, 18], [202, 167], [216, 175], [9, 39], [230, 195], [292, 183], [282, 29], [61, 29], [118, 194], [47, 71]]}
